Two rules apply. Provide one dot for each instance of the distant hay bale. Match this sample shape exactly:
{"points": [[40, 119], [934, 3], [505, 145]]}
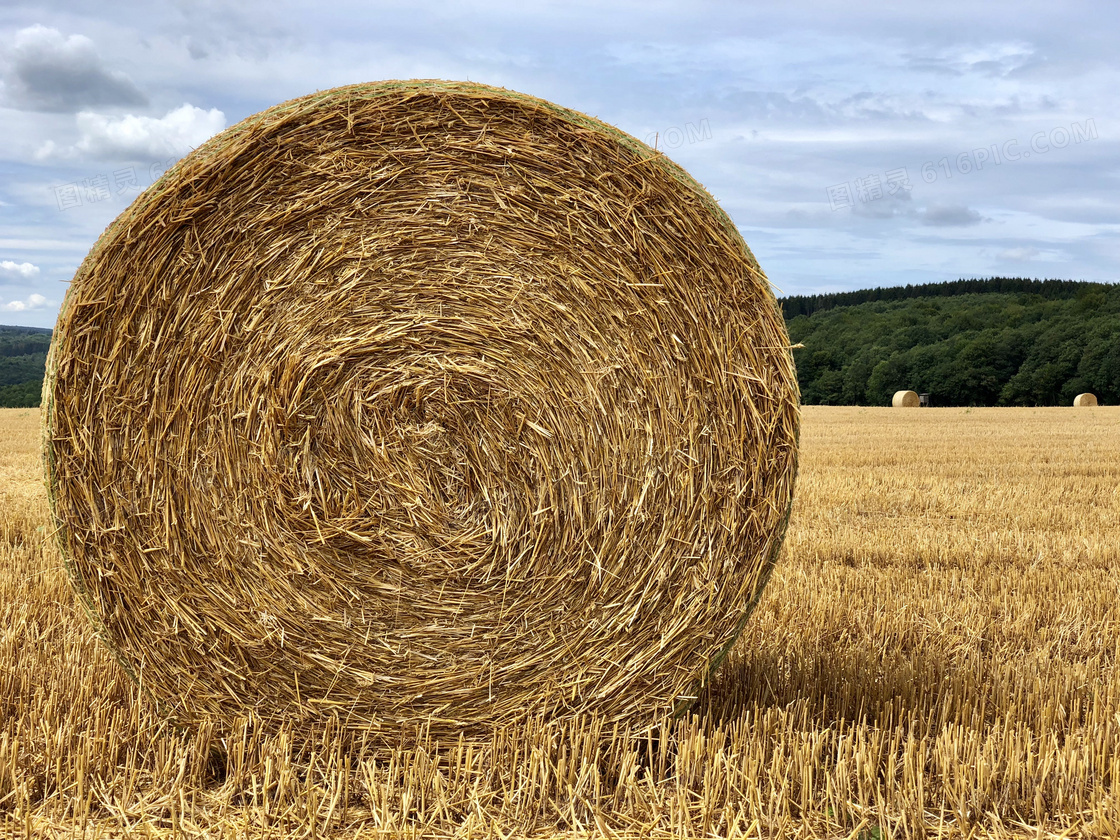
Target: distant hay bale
{"points": [[906, 399], [420, 405], [1082, 400]]}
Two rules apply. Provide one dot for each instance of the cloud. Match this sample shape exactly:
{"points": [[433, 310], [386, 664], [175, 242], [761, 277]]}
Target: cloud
{"points": [[995, 59], [1019, 254], [23, 270], [51, 72], [132, 137], [886, 206], [950, 215], [33, 301], [768, 104]]}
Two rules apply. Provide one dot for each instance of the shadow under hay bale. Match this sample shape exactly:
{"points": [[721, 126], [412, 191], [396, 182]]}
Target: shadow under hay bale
{"points": [[420, 405]]}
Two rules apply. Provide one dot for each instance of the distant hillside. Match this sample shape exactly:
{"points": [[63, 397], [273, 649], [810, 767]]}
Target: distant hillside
{"points": [[23, 360], [1003, 341], [999, 341]]}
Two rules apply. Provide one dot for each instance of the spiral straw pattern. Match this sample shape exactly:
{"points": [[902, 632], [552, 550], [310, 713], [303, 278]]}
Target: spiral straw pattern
{"points": [[420, 405]]}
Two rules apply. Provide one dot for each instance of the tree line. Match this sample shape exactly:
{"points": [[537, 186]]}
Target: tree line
{"points": [[1049, 289], [23, 361], [1040, 345]]}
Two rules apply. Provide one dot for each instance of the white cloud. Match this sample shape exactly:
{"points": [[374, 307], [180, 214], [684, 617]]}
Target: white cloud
{"points": [[50, 149], [131, 136], [33, 301], [9, 268], [1025, 253], [52, 72]]}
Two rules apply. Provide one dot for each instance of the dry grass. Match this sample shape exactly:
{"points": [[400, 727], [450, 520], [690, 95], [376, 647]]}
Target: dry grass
{"points": [[936, 655]]}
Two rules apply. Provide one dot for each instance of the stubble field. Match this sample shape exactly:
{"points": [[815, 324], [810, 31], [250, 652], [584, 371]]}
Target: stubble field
{"points": [[935, 655]]}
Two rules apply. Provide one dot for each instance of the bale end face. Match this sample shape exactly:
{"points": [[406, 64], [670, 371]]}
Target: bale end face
{"points": [[421, 405]]}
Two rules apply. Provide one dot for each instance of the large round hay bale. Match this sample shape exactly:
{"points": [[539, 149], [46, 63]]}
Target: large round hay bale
{"points": [[906, 399], [1082, 400], [421, 404]]}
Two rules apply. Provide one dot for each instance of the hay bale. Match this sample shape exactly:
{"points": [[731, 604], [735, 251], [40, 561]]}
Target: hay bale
{"points": [[906, 399], [1082, 400], [420, 404]]}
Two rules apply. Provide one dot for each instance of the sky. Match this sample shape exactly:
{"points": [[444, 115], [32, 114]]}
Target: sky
{"points": [[854, 144]]}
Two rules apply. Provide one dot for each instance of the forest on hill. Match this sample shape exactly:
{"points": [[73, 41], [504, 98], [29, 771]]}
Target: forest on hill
{"points": [[1003, 341], [996, 341], [23, 360]]}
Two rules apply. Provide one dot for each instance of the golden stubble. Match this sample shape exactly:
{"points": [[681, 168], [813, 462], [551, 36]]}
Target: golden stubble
{"points": [[935, 655]]}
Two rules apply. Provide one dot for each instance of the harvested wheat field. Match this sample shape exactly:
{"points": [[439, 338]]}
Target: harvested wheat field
{"points": [[935, 656]]}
